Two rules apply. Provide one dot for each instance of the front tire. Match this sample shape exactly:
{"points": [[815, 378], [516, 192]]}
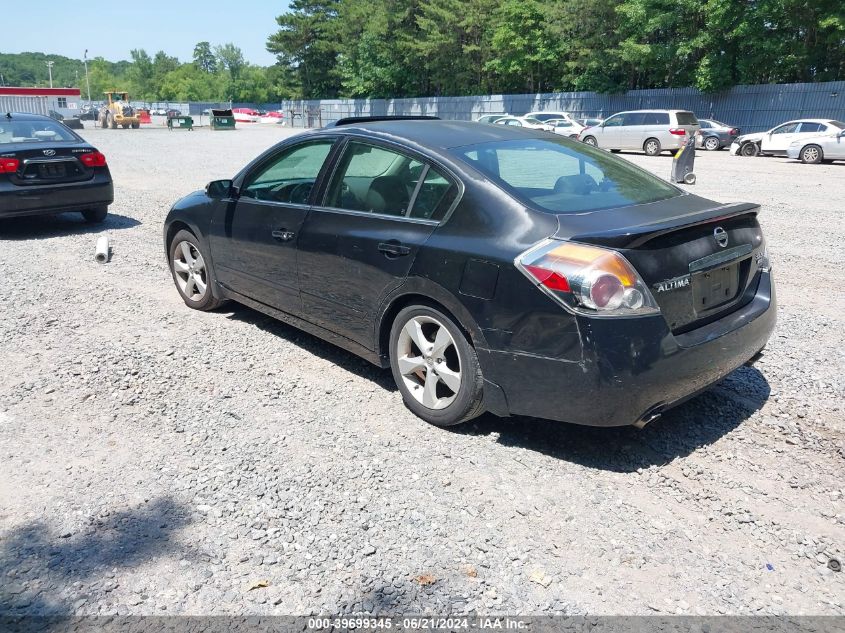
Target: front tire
{"points": [[652, 147], [812, 155], [95, 216], [712, 144], [749, 149], [191, 272], [591, 140], [435, 367]]}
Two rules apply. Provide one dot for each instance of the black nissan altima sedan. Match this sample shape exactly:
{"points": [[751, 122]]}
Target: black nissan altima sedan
{"points": [[491, 268], [47, 168]]}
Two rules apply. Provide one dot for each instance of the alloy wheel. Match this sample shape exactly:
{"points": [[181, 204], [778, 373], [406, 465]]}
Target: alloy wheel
{"points": [[810, 154], [652, 147], [191, 274], [711, 143], [428, 362]]}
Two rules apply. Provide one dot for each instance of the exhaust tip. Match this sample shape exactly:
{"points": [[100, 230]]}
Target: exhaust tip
{"points": [[649, 416]]}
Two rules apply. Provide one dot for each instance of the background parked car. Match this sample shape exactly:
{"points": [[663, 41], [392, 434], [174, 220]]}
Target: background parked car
{"points": [[46, 168], [524, 121], [490, 118], [776, 141], [715, 135], [818, 149], [72, 122], [649, 131], [565, 127], [548, 116]]}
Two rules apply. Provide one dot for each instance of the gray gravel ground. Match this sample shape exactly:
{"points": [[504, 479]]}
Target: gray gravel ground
{"points": [[159, 460]]}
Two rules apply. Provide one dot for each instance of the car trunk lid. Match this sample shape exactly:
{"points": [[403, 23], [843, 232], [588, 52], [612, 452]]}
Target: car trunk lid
{"points": [[698, 258], [41, 165]]}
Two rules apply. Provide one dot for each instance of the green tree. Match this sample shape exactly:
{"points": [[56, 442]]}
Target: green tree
{"points": [[140, 76], [306, 43], [204, 58]]}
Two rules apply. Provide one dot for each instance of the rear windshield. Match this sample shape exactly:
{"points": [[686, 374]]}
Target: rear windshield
{"points": [[686, 118], [560, 176], [36, 131], [838, 124]]}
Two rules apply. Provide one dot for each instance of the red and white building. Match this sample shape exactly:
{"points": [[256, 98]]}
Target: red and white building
{"points": [[65, 101]]}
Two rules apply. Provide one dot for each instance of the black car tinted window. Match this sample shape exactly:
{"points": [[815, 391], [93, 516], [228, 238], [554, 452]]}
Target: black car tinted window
{"points": [[433, 196], [559, 177], [35, 131], [684, 118], [289, 176]]}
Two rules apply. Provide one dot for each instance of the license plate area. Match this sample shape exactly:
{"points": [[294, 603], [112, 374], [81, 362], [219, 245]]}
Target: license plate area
{"points": [[52, 170], [715, 287]]}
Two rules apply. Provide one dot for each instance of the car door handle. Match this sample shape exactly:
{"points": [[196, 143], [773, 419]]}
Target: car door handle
{"points": [[282, 235], [393, 249]]}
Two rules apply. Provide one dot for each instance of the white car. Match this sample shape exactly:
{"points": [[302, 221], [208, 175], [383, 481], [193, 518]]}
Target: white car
{"points": [[524, 121], [817, 149], [776, 141], [564, 127], [549, 116]]}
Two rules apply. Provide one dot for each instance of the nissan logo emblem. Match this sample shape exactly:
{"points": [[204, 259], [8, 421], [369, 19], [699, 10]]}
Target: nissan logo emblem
{"points": [[721, 236], [49, 152]]}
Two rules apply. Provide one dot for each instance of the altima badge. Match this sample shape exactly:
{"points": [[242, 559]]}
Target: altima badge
{"points": [[721, 236], [672, 284]]}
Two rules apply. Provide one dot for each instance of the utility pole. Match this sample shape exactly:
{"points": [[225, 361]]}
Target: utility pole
{"points": [[50, 70], [87, 83]]}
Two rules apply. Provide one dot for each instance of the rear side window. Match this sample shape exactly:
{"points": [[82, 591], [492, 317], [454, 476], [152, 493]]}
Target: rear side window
{"points": [[656, 118], [559, 178], [684, 118], [812, 127], [378, 180]]}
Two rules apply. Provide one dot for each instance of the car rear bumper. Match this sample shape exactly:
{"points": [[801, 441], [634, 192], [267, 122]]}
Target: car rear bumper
{"points": [[44, 199], [632, 368]]}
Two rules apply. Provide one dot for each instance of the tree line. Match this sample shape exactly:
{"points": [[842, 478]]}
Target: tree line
{"points": [[410, 48], [216, 74], [396, 48]]}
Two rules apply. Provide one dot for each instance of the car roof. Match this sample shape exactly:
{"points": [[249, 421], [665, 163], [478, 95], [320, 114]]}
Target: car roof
{"points": [[438, 134], [807, 121], [652, 110], [24, 116]]}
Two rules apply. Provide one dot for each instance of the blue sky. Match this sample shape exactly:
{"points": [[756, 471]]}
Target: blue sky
{"points": [[111, 29]]}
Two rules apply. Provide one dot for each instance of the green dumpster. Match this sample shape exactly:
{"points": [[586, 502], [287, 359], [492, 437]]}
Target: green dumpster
{"points": [[180, 122], [222, 120]]}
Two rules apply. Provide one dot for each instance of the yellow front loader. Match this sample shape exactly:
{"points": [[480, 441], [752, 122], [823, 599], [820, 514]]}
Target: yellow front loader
{"points": [[117, 112]]}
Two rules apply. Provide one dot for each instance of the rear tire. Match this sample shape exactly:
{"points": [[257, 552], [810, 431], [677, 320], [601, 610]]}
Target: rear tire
{"points": [[591, 140], [191, 272], [435, 367], [812, 155], [615, 151], [749, 149], [135, 126], [652, 147], [712, 144], [95, 216]]}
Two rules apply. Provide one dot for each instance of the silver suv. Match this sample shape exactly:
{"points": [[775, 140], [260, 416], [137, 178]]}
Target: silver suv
{"points": [[649, 131]]}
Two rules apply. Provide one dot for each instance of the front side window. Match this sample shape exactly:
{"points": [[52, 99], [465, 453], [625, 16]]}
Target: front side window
{"points": [[789, 128], [554, 176], [290, 176], [378, 180], [614, 121]]}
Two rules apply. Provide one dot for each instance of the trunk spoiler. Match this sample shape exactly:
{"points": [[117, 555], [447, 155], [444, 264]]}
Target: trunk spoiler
{"points": [[659, 219]]}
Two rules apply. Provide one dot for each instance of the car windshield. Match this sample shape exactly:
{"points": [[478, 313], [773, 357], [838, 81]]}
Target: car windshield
{"points": [[35, 131], [561, 177]]}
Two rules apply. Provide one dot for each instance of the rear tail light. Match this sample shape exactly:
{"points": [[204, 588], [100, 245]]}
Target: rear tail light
{"points": [[734, 131], [93, 159], [587, 279], [9, 165], [678, 131]]}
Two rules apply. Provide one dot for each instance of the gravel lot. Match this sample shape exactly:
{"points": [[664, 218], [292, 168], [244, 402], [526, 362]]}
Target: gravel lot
{"points": [[158, 460]]}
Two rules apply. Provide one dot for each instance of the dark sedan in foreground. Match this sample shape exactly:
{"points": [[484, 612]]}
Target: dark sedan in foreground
{"points": [[491, 268], [46, 168]]}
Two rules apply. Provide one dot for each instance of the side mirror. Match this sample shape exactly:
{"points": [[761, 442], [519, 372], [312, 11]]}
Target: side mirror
{"points": [[218, 189], [842, 134]]}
